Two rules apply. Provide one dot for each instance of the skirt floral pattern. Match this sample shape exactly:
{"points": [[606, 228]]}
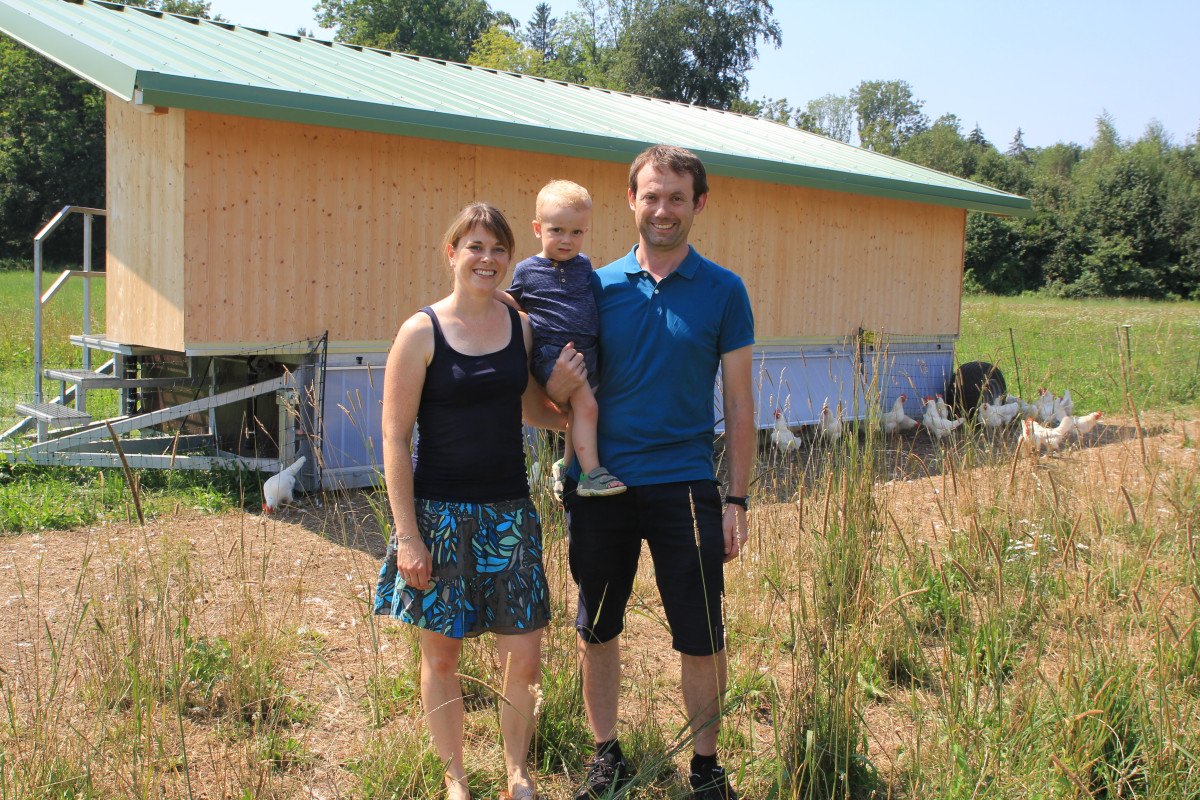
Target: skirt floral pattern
{"points": [[487, 571]]}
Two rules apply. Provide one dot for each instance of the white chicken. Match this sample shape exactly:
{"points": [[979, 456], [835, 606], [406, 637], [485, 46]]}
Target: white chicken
{"points": [[1084, 424], [996, 416], [1045, 405], [935, 423], [1063, 406], [1035, 436], [943, 410], [1027, 410], [279, 487], [829, 425], [782, 436], [896, 421]]}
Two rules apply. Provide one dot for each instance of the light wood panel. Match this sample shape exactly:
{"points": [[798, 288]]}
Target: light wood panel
{"points": [[145, 185], [292, 230]]}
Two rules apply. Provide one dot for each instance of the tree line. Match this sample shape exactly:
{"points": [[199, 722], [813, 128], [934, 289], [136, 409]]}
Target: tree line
{"points": [[1114, 218], [1118, 218]]}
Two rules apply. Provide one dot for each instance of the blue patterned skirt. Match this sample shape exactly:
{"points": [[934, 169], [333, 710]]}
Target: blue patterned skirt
{"points": [[487, 571]]}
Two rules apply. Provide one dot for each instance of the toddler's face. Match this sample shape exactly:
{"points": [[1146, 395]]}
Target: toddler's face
{"points": [[561, 231]]}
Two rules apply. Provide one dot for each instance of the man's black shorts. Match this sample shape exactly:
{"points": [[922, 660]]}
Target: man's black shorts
{"points": [[681, 523]]}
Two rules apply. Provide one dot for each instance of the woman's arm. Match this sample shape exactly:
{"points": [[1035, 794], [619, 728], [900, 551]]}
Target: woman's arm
{"points": [[536, 407], [402, 384]]}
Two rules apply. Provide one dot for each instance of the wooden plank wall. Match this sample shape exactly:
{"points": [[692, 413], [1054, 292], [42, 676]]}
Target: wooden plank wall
{"points": [[293, 230], [145, 183]]}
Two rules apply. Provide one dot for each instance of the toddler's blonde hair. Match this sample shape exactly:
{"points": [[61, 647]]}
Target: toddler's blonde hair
{"points": [[562, 194]]}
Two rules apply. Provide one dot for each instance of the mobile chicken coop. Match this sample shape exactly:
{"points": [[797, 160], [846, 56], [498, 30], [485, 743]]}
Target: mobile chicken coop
{"points": [[275, 205]]}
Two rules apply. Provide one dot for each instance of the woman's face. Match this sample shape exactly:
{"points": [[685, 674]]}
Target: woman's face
{"points": [[479, 260]]}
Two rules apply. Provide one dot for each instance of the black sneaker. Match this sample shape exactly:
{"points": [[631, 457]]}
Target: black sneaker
{"points": [[606, 775], [710, 784]]}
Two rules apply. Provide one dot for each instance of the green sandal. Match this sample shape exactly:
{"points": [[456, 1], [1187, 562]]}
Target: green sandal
{"points": [[599, 483]]}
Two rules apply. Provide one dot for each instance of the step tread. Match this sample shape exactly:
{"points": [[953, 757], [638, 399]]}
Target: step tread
{"points": [[53, 412], [99, 380]]}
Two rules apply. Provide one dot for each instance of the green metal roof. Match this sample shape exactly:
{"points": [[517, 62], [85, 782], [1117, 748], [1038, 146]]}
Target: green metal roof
{"points": [[182, 62]]}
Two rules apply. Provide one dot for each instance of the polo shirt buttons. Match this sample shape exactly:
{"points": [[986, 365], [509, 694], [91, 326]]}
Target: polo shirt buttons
{"points": [[656, 291]]}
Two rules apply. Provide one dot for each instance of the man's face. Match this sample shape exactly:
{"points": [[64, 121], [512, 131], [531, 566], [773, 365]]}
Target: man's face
{"points": [[664, 207]]}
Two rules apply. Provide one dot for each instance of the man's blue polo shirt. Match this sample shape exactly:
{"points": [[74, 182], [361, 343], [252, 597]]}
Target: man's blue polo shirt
{"points": [[660, 346]]}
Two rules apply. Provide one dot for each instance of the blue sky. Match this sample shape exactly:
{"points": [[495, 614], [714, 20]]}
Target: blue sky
{"points": [[1049, 67]]}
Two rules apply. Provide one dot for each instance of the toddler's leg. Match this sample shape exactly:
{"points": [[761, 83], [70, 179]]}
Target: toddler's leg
{"points": [[595, 480], [569, 439], [581, 428]]}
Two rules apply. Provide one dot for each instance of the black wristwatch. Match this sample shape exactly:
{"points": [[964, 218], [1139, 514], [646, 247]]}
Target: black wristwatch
{"points": [[736, 500]]}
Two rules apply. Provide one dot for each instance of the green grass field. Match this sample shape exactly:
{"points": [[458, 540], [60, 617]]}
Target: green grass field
{"points": [[63, 317], [1081, 344]]}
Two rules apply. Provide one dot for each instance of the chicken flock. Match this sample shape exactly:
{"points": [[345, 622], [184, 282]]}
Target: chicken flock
{"points": [[1046, 424]]}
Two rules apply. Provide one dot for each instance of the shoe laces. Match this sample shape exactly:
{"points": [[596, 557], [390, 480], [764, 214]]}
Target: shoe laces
{"points": [[602, 771]]}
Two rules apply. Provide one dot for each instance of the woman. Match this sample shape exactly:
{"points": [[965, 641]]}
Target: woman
{"points": [[467, 543]]}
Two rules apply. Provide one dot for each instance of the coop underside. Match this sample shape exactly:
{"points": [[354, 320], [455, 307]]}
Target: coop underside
{"points": [[261, 411]]}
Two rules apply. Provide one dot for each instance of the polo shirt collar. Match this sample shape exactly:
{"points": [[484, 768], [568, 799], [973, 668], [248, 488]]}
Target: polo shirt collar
{"points": [[687, 269]]}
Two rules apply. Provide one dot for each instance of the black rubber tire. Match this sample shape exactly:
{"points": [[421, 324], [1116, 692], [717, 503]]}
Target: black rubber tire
{"points": [[973, 383]]}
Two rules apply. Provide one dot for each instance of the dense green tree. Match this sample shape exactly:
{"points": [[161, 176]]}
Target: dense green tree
{"points": [[584, 46], [51, 149], [539, 32], [189, 8], [499, 49], [52, 143], [693, 51], [942, 147], [887, 115], [993, 259], [446, 29], [1017, 148], [978, 140], [774, 110], [830, 115]]}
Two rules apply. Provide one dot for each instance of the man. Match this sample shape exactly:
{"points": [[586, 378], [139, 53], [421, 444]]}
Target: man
{"points": [[668, 318]]}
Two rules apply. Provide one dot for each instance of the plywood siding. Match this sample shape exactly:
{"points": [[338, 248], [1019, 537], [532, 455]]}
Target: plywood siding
{"points": [[293, 230], [821, 263], [145, 184]]}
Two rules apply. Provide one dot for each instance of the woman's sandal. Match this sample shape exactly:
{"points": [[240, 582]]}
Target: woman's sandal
{"points": [[599, 483], [526, 793]]}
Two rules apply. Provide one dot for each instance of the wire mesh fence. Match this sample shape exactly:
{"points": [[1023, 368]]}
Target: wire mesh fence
{"points": [[1105, 369]]}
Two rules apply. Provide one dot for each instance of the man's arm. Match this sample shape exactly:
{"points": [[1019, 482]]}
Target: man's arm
{"points": [[737, 394]]}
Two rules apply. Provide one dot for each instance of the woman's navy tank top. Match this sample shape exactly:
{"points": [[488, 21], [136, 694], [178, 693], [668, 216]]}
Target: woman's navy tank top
{"points": [[470, 444]]}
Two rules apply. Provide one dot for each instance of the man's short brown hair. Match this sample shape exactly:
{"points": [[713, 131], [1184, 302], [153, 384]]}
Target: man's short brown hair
{"points": [[675, 159]]}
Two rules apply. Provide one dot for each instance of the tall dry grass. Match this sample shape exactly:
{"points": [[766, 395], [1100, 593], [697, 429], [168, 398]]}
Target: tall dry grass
{"points": [[910, 620]]}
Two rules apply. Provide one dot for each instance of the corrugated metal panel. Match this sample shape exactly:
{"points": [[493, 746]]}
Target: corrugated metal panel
{"points": [[170, 60]]}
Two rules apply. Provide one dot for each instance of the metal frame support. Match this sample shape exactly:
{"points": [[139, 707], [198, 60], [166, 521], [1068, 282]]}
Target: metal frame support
{"points": [[39, 300]]}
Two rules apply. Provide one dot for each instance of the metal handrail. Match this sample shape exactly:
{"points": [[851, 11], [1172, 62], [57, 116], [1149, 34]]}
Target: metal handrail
{"points": [[39, 300]]}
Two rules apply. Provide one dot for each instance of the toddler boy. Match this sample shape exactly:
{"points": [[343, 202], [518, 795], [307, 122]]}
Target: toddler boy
{"points": [[554, 289]]}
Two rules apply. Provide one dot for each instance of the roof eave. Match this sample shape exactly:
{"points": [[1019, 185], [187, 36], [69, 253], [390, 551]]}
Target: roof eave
{"points": [[287, 106], [98, 68]]}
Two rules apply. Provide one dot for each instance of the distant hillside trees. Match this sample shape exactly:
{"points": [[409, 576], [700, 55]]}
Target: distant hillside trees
{"points": [[51, 149], [1118, 219]]}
